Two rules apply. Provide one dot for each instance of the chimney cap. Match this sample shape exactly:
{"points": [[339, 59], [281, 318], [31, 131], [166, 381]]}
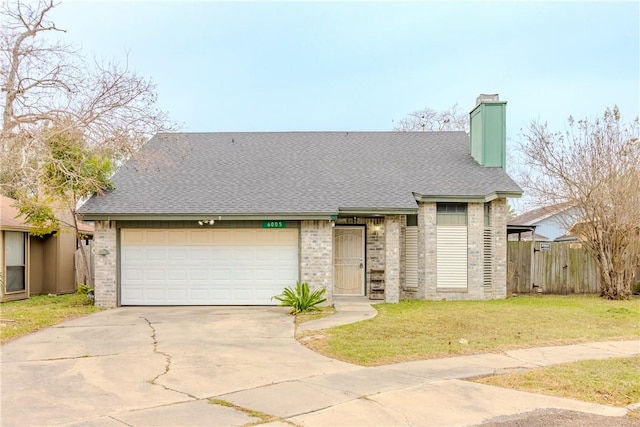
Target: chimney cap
{"points": [[487, 97]]}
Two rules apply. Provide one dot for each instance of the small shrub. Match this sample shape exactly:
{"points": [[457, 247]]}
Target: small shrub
{"points": [[300, 298], [86, 290]]}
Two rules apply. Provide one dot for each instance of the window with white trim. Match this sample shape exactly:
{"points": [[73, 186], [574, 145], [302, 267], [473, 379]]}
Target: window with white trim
{"points": [[15, 256]]}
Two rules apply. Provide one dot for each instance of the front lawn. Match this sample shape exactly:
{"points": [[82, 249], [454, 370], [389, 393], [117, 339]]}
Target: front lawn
{"points": [[22, 317], [416, 330], [613, 382]]}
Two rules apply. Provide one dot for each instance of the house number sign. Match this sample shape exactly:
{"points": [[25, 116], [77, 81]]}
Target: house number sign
{"points": [[274, 224]]}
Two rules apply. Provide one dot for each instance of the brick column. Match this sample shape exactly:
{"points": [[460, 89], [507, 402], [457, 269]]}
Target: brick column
{"points": [[475, 252], [393, 258], [316, 256], [499, 224], [427, 241], [106, 269]]}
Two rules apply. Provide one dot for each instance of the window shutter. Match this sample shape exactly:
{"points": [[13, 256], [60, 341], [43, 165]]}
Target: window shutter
{"points": [[411, 260], [451, 253], [488, 258]]}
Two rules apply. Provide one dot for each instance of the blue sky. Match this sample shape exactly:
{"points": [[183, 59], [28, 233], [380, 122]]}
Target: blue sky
{"points": [[278, 66]]}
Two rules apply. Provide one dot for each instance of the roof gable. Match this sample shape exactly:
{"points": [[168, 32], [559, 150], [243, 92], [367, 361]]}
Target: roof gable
{"points": [[535, 216], [296, 172]]}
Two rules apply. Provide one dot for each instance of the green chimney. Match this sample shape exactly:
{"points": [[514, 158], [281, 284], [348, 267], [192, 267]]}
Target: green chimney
{"points": [[488, 133]]}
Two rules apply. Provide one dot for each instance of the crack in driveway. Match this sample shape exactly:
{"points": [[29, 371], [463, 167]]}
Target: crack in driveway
{"points": [[167, 366]]}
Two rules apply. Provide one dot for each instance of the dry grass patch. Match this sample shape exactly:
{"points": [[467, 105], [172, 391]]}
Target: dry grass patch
{"points": [[18, 318], [416, 330], [614, 382]]}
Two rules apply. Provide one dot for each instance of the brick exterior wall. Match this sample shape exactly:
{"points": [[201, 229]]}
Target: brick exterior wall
{"points": [[106, 266], [475, 252], [384, 250], [427, 238], [393, 268], [499, 214], [427, 267], [316, 256]]}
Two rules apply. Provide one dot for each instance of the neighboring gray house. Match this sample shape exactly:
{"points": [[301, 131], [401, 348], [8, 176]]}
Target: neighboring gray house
{"points": [[233, 218], [550, 223]]}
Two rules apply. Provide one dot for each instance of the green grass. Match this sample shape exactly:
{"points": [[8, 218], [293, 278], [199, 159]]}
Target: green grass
{"points": [[415, 330], [22, 317], [613, 382]]}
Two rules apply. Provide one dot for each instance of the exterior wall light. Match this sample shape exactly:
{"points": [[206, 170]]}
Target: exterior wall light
{"points": [[206, 222]]}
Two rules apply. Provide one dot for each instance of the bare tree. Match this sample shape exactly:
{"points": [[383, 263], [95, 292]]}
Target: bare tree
{"points": [[593, 166], [451, 119], [47, 83]]}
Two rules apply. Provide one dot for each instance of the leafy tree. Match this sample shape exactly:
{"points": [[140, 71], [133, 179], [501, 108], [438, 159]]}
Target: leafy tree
{"points": [[594, 166], [46, 83], [70, 172], [428, 119]]}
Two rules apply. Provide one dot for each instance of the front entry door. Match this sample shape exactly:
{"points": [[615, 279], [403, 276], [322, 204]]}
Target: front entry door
{"points": [[348, 260]]}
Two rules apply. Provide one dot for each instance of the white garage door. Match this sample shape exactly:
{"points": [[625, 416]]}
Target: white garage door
{"points": [[207, 267]]}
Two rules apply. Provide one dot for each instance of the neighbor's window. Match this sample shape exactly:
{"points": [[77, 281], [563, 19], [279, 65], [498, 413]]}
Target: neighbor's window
{"points": [[14, 252], [452, 214]]}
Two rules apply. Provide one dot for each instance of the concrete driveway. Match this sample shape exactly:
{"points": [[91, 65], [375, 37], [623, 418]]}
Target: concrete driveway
{"points": [[142, 366], [114, 365]]}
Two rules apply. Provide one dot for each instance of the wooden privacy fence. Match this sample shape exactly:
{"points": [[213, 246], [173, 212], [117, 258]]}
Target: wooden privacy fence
{"points": [[82, 275], [550, 267]]}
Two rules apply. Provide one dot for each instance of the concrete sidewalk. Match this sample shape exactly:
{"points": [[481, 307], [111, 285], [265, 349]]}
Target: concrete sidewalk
{"points": [[429, 393], [142, 366], [348, 310]]}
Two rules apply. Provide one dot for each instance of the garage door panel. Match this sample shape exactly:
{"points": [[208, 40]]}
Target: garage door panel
{"points": [[155, 237], [177, 237], [244, 254], [199, 275], [133, 294], [133, 275], [220, 296], [240, 274], [175, 254], [183, 272], [199, 294], [200, 237], [155, 294], [243, 295], [287, 276], [154, 275], [221, 276], [179, 275], [176, 295], [285, 254], [221, 254], [197, 254], [156, 254]]}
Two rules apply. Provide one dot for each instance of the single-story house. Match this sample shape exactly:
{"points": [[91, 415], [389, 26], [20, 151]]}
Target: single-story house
{"points": [[550, 223], [233, 218], [33, 265]]}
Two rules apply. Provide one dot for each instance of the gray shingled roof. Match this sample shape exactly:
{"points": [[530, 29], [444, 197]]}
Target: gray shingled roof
{"points": [[295, 172]]}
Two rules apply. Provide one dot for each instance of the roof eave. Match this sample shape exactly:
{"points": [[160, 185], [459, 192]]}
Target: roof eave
{"points": [[467, 198], [270, 216], [352, 211]]}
